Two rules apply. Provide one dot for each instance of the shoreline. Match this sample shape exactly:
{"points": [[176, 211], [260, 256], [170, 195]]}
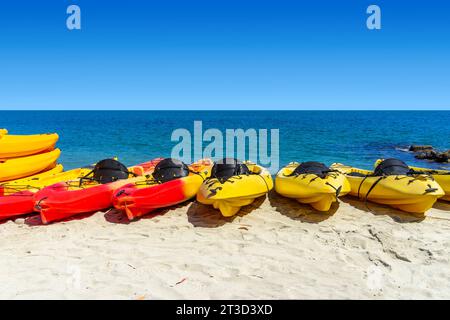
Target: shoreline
{"points": [[275, 248]]}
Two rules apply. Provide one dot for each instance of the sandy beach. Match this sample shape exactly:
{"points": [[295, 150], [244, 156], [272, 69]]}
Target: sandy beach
{"points": [[275, 248]]}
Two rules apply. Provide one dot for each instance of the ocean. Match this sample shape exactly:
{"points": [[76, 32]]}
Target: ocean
{"points": [[356, 138]]}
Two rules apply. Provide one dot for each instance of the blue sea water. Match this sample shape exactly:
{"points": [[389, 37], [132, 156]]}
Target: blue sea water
{"points": [[356, 138]]}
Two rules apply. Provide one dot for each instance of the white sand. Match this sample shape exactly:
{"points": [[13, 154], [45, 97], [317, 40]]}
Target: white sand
{"points": [[276, 248]]}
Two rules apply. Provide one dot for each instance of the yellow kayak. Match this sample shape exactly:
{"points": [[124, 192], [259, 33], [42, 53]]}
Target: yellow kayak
{"points": [[13, 146], [25, 181], [11, 169], [311, 183], [39, 181], [442, 177], [233, 185], [392, 183]]}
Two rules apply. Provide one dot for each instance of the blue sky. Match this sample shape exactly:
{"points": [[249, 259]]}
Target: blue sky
{"points": [[225, 54]]}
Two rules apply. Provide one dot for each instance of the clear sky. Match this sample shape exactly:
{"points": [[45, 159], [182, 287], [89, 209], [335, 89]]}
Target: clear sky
{"points": [[225, 54]]}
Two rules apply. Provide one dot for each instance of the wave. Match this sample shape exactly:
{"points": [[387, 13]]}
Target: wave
{"points": [[403, 149]]}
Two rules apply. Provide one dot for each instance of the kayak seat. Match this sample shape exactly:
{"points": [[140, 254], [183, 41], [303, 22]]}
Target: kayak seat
{"points": [[311, 167], [170, 169], [228, 167]]}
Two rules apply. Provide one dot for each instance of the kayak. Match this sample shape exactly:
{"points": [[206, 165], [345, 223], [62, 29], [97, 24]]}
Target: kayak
{"points": [[13, 146], [47, 178], [312, 183], [150, 193], [18, 195], [394, 185], [233, 184], [442, 177], [17, 204], [11, 169], [12, 186], [87, 194]]}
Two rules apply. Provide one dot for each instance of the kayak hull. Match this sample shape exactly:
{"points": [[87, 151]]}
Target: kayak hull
{"points": [[15, 205], [12, 169], [16, 197], [13, 146], [139, 199], [66, 199], [319, 193], [13, 186], [415, 194], [442, 177], [58, 202], [236, 192]]}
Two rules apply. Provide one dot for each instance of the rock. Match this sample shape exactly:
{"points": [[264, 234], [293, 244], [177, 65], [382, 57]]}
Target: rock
{"points": [[427, 152], [421, 156], [428, 155], [417, 148], [441, 157], [19, 221], [434, 156]]}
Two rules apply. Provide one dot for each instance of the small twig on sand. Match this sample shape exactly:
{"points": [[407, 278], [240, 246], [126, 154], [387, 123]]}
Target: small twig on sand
{"points": [[181, 281]]}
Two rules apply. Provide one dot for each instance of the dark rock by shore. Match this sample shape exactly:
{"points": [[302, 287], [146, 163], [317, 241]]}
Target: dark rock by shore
{"points": [[426, 152], [418, 148]]}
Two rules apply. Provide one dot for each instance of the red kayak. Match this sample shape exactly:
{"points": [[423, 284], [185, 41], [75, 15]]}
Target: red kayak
{"points": [[66, 199], [63, 200], [143, 196], [16, 204]]}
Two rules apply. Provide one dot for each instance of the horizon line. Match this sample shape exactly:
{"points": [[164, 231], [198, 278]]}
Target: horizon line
{"points": [[231, 110]]}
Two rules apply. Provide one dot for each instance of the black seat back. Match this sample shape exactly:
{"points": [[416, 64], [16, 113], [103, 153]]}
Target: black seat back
{"points": [[170, 169], [227, 168], [390, 167], [109, 170], [312, 167]]}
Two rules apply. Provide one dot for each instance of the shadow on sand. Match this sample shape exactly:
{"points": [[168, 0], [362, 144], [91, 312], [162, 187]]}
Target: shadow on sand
{"points": [[442, 205], [299, 211], [14, 218], [204, 216], [118, 216], [379, 209], [35, 220]]}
